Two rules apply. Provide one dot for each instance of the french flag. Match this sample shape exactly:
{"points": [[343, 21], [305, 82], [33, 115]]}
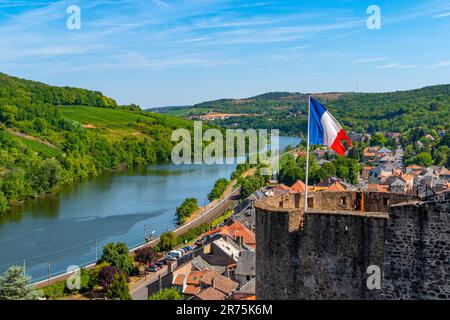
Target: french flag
{"points": [[324, 128]]}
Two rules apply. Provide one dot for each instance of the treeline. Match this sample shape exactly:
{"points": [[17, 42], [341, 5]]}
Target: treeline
{"points": [[15, 91], [32, 170], [361, 112], [292, 169], [219, 188]]}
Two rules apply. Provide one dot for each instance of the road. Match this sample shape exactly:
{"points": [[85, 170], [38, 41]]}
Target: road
{"points": [[138, 290]]}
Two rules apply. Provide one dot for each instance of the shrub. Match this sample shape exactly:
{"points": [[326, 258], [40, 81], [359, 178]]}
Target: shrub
{"points": [[219, 188], [187, 208], [167, 241], [119, 288], [106, 276], [145, 254], [167, 294]]}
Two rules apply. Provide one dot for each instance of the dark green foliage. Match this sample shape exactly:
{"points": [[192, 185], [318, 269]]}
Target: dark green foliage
{"points": [[192, 234], [186, 209], [119, 289], [117, 256], [14, 285], [43, 145], [219, 188], [251, 184]]}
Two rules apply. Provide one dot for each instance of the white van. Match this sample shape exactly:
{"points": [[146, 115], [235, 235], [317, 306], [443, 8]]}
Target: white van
{"points": [[176, 254]]}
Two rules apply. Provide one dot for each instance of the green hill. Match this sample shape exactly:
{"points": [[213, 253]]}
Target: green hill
{"points": [[54, 136], [428, 107]]}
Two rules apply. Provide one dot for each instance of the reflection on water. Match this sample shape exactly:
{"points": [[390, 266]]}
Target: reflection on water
{"points": [[63, 229]]}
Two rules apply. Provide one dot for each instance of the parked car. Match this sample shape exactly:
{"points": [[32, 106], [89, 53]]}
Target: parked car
{"points": [[170, 258], [155, 268], [159, 263], [177, 254]]}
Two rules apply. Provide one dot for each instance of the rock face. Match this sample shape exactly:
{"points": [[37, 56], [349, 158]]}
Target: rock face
{"points": [[326, 253]]}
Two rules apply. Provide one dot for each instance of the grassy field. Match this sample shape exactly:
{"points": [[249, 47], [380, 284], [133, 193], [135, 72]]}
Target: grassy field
{"points": [[101, 117], [185, 112], [116, 121], [36, 146]]}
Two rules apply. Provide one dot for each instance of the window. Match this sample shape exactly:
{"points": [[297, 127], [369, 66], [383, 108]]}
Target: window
{"points": [[343, 200], [386, 201]]}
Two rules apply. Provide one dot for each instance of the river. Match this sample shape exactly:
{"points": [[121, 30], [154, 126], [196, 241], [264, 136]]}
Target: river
{"points": [[71, 227]]}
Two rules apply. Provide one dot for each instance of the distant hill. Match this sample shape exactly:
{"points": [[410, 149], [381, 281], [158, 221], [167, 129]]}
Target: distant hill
{"points": [[363, 112]]}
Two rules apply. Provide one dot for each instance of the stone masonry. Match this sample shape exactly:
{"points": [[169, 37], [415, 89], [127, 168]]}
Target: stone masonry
{"points": [[325, 253]]}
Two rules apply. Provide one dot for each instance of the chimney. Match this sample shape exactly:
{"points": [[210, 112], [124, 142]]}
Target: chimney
{"points": [[213, 282]]}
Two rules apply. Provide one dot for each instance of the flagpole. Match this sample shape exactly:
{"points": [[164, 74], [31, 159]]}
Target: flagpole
{"points": [[307, 156]]}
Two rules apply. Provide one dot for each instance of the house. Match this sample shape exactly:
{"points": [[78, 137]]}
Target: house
{"points": [[222, 252], [414, 169], [208, 285], [298, 187], [336, 187], [377, 187], [238, 232], [397, 186], [393, 135], [281, 189], [386, 159], [365, 172], [210, 293], [383, 152], [246, 292], [379, 172], [370, 154], [245, 269]]}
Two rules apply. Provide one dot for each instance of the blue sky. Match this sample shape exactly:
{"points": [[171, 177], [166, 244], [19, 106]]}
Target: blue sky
{"points": [[177, 52]]}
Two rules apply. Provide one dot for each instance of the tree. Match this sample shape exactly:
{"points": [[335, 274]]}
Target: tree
{"points": [[167, 294], [378, 139], [424, 159], [106, 276], [144, 255], [186, 209], [3, 203], [167, 241], [327, 170], [14, 285], [219, 188], [119, 288], [117, 255]]}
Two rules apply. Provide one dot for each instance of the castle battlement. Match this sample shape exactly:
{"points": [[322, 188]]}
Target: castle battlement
{"points": [[325, 253]]}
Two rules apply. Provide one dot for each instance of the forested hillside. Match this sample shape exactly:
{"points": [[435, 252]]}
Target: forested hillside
{"points": [[427, 108], [51, 137]]}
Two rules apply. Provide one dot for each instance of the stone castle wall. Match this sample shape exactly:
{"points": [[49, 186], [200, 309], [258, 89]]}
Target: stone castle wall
{"points": [[417, 252], [324, 254]]}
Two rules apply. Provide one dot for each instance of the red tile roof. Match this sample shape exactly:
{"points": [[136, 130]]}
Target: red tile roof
{"points": [[191, 290], [298, 187], [211, 294]]}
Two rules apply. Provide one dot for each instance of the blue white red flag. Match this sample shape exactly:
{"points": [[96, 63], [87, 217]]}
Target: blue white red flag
{"points": [[325, 130]]}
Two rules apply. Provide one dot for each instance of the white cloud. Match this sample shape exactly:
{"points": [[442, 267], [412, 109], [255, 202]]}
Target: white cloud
{"points": [[442, 15], [441, 64], [397, 66]]}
